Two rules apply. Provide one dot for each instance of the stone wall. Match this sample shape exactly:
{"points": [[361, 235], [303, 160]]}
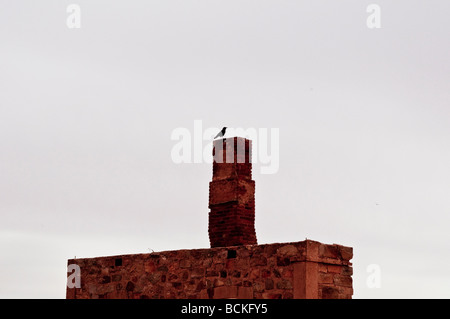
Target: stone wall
{"points": [[306, 269]]}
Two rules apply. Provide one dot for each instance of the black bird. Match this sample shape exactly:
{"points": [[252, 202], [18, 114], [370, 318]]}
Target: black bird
{"points": [[221, 133]]}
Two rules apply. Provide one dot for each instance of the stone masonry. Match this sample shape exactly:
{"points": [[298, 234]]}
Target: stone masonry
{"points": [[235, 266], [306, 269]]}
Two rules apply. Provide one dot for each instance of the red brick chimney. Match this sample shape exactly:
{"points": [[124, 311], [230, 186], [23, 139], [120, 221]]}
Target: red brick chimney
{"points": [[232, 194]]}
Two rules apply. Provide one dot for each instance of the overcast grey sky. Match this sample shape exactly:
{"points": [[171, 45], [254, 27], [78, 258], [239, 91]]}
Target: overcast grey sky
{"points": [[86, 117]]}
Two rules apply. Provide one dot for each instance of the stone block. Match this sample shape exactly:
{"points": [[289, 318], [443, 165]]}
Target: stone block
{"points": [[245, 293], [287, 250], [341, 280], [335, 269], [225, 292], [284, 284], [325, 278]]}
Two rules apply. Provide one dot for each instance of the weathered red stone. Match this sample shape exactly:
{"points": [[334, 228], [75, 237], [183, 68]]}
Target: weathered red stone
{"points": [[232, 195], [334, 269], [235, 266], [199, 273]]}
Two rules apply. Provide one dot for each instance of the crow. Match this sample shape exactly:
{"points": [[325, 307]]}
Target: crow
{"points": [[221, 133]]}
